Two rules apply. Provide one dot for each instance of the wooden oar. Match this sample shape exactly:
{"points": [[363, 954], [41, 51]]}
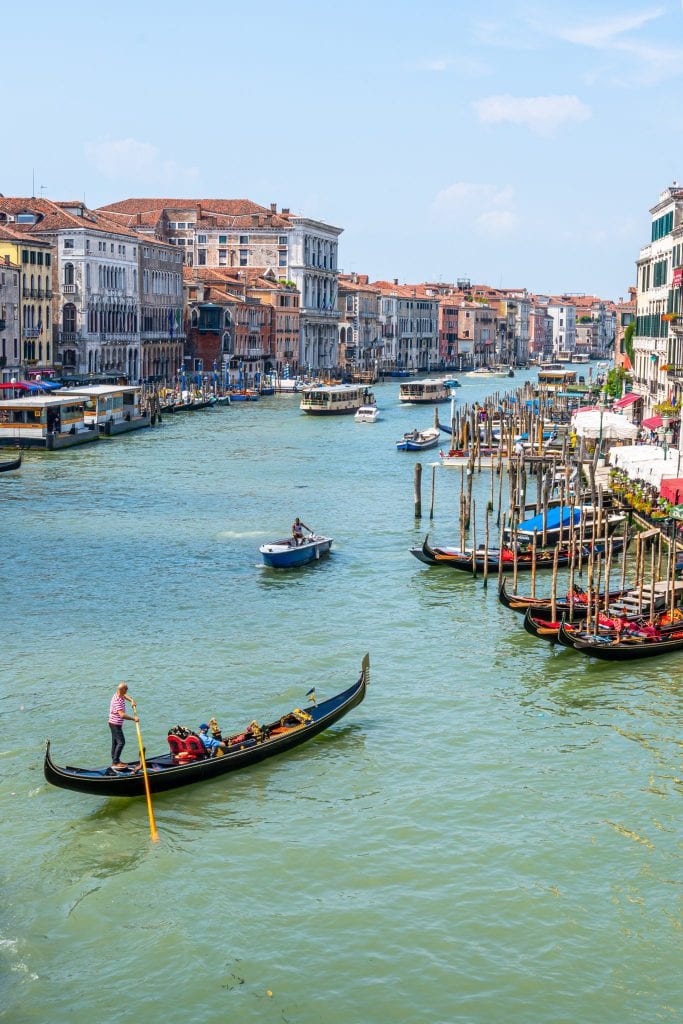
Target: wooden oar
{"points": [[152, 824]]}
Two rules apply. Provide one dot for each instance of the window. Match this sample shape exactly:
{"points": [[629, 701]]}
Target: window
{"points": [[244, 239], [68, 243], [282, 259], [24, 255], [32, 257], [201, 257], [201, 239], [222, 239], [26, 218], [222, 257], [39, 258], [244, 257], [282, 240], [48, 259]]}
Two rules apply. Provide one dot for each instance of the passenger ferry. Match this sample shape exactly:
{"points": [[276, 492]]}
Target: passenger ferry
{"points": [[425, 391], [556, 380], [45, 421], [335, 399], [111, 409]]}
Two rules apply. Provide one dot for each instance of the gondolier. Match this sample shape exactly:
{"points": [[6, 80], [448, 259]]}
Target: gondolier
{"points": [[117, 716]]}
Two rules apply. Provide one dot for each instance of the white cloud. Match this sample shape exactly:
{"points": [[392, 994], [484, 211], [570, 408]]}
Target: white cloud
{"points": [[541, 114], [487, 208], [464, 66], [432, 64], [140, 161], [603, 32]]}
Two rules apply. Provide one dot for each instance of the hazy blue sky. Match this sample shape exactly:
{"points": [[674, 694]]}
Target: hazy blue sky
{"points": [[519, 144]]}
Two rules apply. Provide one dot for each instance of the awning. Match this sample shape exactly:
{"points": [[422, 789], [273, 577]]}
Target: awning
{"points": [[627, 400], [655, 422], [17, 386]]}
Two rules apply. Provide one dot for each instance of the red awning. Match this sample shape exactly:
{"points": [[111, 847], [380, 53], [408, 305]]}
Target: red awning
{"points": [[17, 386], [655, 422], [672, 490], [677, 277], [627, 400]]}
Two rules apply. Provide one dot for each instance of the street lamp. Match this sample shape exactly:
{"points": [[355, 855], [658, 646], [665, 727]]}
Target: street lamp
{"points": [[602, 405], [665, 435]]}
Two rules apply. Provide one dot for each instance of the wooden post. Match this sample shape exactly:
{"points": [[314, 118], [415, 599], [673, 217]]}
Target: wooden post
{"points": [[514, 563], [486, 549], [417, 490], [474, 538], [534, 545], [652, 582], [553, 596], [500, 553], [431, 503]]}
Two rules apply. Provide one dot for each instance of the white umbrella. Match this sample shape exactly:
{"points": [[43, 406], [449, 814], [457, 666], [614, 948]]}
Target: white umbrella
{"points": [[607, 425]]}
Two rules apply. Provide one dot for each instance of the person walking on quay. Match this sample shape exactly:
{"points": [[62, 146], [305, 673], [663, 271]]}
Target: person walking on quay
{"points": [[117, 716]]}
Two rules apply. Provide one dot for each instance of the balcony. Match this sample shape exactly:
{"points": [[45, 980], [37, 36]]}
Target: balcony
{"points": [[69, 337], [69, 289], [32, 332]]}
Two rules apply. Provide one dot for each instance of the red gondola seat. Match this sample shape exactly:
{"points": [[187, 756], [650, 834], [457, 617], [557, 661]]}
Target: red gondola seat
{"points": [[177, 747], [195, 748]]}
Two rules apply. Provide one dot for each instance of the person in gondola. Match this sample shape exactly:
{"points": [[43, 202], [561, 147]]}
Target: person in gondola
{"points": [[117, 716], [211, 744], [298, 531]]}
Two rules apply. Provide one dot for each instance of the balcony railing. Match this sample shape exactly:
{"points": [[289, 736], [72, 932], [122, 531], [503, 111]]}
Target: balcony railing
{"points": [[69, 289], [69, 337], [32, 332]]}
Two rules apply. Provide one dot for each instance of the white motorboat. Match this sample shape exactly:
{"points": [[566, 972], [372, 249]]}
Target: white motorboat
{"points": [[367, 414]]}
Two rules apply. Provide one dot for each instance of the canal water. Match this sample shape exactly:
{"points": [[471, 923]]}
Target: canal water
{"points": [[493, 835]]}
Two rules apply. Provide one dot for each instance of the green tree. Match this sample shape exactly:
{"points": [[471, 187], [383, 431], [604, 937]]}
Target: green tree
{"points": [[616, 378], [627, 341]]}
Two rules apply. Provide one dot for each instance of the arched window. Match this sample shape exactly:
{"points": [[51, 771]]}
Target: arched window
{"points": [[69, 317]]}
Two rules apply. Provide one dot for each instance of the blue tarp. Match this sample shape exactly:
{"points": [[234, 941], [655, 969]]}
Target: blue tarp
{"points": [[552, 519]]}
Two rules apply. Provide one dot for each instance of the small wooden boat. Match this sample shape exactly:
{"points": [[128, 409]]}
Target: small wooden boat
{"points": [[468, 560], [244, 749], [244, 395], [419, 440], [8, 466], [286, 554]]}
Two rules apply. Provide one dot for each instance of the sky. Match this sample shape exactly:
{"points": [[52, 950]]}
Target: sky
{"points": [[515, 144]]}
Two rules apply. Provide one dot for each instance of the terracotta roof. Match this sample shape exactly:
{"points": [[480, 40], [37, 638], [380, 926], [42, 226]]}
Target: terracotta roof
{"points": [[56, 217], [8, 234], [236, 213]]}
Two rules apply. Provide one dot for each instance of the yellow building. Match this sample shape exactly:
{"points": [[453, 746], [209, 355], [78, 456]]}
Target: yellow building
{"points": [[34, 257]]}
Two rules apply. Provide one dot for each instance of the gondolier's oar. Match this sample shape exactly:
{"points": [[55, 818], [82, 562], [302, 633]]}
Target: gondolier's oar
{"points": [[152, 824]]}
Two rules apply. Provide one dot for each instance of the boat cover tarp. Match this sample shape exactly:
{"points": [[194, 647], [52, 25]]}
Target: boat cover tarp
{"points": [[553, 517]]}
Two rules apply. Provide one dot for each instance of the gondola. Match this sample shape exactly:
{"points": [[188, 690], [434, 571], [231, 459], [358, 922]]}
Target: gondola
{"points": [[164, 772], [467, 560], [541, 607], [5, 467], [626, 648]]}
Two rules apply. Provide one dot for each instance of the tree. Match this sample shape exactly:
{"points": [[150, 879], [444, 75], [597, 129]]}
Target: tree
{"points": [[616, 378], [627, 341]]}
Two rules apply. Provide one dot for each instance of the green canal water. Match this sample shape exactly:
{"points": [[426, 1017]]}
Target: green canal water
{"points": [[493, 835]]}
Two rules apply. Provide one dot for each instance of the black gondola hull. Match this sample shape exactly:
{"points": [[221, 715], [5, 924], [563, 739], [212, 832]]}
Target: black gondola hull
{"points": [[164, 775], [6, 467]]}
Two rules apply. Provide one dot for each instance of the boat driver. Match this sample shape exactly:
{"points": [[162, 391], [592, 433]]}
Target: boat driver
{"points": [[298, 531]]}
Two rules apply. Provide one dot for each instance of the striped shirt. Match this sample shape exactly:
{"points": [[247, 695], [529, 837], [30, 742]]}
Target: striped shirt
{"points": [[116, 710]]}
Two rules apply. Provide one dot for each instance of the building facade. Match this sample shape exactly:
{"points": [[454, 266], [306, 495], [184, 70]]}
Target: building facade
{"points": [[240, 234], [10, 319], [658, 339], [29, 348]]}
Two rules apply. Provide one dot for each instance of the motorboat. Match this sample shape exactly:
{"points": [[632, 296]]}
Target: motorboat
{"points": [[419, 440], [288, 553], [367, 414]]}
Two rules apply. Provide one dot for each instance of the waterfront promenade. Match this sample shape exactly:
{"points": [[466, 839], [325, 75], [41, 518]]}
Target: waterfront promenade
{"points": [[492, 835]]}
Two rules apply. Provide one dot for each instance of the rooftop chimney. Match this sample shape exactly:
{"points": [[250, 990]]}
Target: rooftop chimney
{"points": [[396, 281], [285, 211], [273, 207]]}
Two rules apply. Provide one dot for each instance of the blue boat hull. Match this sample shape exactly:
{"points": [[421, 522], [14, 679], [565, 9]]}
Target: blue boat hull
{"points": [[281, 555]]}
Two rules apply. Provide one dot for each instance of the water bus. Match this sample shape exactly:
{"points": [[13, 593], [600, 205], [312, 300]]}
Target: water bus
{"points": [[110, 409], [334, 399], [426, 391], [45, 421]]}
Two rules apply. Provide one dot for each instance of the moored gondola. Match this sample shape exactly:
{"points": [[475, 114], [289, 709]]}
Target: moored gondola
{"points": [[165, 772], [10, 464], [541, 607], [469, 560], [627, 647]]}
